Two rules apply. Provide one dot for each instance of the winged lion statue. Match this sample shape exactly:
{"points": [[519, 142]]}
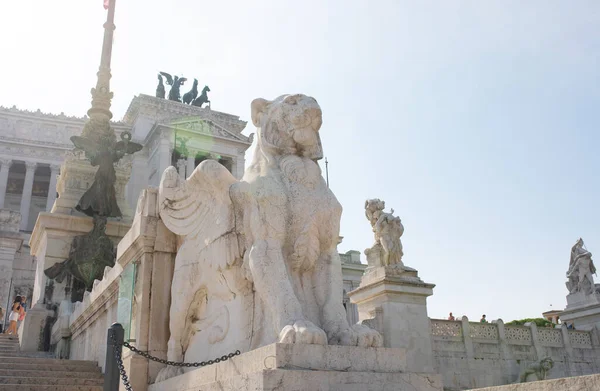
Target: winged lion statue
{"points": [[259, 261]]}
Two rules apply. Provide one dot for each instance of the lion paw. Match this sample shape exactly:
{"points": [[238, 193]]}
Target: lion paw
{"points": [[358, 335], [168, 372], [303, 331]]}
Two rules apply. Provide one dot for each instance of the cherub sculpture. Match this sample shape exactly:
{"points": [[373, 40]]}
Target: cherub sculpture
{"points": [[175, 82], [259, 262], [387, 229]]}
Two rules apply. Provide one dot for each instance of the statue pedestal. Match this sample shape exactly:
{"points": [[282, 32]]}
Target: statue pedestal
{"points": [[393, 300], [50, 243], [307, 367], [76, 177], [583, 311]]}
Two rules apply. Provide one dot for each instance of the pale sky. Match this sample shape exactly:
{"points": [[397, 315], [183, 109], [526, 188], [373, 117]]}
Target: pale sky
{"points": [[477, 121]]}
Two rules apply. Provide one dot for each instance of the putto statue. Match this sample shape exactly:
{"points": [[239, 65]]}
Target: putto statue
{"points": [[581, 268], [175, 82], [387, 250], [259, 261]]}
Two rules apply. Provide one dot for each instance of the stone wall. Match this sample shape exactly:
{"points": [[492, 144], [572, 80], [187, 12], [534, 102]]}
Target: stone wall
{"points": [[91, 318], [473, 355]]}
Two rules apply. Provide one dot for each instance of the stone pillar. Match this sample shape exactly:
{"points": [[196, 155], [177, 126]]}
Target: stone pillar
{"points": [[401, 297], [26, 197], [152, 246], [239, 165], [191, 165], [54, 168], [164, 152], [6, 163], [181, 163]]}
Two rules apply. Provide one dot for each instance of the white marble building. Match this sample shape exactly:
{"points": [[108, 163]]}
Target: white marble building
{"points": [[33, 145]]}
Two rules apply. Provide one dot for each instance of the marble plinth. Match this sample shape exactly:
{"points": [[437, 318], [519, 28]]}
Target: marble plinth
{"points": [[295, 367], [393, 300]]}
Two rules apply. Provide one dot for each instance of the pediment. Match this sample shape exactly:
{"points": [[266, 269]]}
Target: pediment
{"points": [[204, 126]]}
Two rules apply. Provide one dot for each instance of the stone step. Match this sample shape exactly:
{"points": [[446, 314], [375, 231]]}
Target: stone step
{"points": [[47, 361], [51, 381], [37, 387], [43, 373], [49, 367]]}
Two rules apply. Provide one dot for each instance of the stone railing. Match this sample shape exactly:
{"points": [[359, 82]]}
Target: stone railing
{"points": [[472, 355], [497, 332]]}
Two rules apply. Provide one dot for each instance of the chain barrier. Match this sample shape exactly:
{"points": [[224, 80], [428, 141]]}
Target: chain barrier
{"points": [[125, 379]]}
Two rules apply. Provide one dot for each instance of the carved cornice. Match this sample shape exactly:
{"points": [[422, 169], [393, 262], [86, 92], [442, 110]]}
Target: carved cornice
{"points": [[41, 115], [163, 109]]}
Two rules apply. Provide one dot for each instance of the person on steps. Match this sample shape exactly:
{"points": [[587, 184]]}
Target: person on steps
{"points": [[14, 316]]}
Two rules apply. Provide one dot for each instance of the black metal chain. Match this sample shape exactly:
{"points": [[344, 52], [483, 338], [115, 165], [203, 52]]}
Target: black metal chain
{"points": [[125, 379]]}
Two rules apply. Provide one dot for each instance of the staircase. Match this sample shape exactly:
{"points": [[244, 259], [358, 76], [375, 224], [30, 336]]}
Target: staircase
{"points": [[20, 372]]}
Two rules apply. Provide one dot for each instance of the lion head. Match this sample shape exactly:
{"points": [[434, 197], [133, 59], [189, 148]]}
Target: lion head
{"points": [[547, 364], [289, 125]]}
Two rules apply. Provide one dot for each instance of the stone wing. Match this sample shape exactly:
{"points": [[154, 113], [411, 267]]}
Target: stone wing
{"points": [[201, 209]]}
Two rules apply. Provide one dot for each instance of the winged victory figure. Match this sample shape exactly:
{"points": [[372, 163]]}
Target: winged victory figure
{"points": [[175, 82], [259, 261]]}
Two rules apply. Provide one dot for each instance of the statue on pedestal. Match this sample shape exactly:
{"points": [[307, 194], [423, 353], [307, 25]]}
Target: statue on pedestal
{"points": [[387, 229], [259, 261], [581, 269], [92, 252]]}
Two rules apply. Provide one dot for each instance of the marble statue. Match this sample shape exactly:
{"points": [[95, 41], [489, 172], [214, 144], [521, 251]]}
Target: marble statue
{"points": [[175, 82], [387, 229], [538, 369], [581, 268], [259, 261]]}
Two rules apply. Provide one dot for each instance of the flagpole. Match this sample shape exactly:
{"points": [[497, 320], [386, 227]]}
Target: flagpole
{"points": [[98, 125], [101, 95]]}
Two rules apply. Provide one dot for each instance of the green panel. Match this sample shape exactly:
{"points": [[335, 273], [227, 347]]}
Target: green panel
{"points": [[125, 303]]}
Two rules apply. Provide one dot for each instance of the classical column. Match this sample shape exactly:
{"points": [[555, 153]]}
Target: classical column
{"points": [[191, 165], [181, 163], [54, 168], [6, 163], [26, 197], [164, 152]]}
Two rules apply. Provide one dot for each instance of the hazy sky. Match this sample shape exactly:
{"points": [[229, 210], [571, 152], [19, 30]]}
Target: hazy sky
{"points": [[477, 121]]}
